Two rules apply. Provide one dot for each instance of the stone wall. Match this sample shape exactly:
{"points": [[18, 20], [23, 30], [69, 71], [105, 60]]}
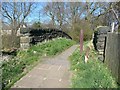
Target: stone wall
{"points": [[99, 40], [24, 42], [108, 46], [112, 54], [6, 32], [46, 34], [32, 36]]}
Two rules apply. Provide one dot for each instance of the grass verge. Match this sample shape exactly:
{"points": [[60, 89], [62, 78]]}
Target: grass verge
{"points": [[14, 69], [93, 74]]}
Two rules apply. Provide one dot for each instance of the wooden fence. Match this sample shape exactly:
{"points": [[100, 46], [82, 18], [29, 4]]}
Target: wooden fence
{"points": [[112, 54]]}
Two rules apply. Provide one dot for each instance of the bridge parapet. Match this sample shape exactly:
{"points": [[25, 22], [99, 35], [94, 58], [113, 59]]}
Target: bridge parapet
{"points": [[33, 36], [24, 41]]}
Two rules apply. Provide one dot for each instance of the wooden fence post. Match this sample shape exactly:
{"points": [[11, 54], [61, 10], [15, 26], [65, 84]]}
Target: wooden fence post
{"points": [[0, 50], [81, 41]]}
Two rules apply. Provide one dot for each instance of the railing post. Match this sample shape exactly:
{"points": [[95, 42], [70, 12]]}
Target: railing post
{"points": [[81, 40]]}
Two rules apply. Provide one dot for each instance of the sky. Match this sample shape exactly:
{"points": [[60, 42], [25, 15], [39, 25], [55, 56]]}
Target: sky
{"points": [[60, 0], [37, 14]]}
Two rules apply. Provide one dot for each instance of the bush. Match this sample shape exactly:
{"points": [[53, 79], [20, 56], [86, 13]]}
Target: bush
{"points": [[75, 31], [8, 44], [92, 74], [14, 69]]}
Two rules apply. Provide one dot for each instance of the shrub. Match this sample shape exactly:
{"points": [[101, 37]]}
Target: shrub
{"points": [[8, 44], [75, 31]]}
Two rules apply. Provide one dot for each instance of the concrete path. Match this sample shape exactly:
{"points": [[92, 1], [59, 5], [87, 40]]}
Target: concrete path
{"points": [[51, 73]]}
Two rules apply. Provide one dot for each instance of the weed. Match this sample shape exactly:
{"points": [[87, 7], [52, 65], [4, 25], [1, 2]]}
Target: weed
{"points": [[14, 69], [92, 74]]}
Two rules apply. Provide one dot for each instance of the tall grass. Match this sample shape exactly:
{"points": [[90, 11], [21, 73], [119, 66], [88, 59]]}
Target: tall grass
{"points": [[92, 74], [14, 69]]}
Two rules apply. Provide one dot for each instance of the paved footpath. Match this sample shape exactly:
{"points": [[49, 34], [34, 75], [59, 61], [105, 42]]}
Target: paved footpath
{"points": [[51, 73]]}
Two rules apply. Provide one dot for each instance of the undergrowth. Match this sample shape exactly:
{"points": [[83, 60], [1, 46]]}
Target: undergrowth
{"points": [[93, 74], [14, 69]]}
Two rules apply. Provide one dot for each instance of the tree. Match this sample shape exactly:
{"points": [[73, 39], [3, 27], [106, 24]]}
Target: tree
{"points": [[15, 13], [105, 13], [36, 25], [76, 14], [114, 11], [49, 10], [60, 13]]}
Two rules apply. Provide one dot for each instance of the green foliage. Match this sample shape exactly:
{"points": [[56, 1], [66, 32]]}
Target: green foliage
{"points": [[87, 34], [118, 30], [14, 69], [36, 25], [92, 74], [75, 32]]}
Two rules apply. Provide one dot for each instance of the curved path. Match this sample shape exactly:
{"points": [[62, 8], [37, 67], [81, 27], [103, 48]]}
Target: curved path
{"points": [[51, 73]]}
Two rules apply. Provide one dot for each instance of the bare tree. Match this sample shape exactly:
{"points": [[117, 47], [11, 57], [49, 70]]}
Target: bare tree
{"points": [[71, 12], [108, 13], [60, 13], [15, 13], [50, 11], [56, 11]]}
